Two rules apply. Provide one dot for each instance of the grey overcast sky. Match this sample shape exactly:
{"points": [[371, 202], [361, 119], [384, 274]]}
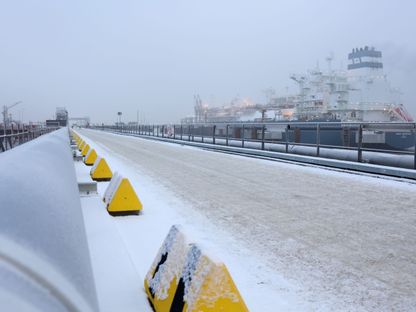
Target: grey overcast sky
{"points": [[98, 57]]}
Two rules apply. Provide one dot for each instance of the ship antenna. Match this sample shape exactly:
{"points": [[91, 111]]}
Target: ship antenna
{"points": [[329, 60]]}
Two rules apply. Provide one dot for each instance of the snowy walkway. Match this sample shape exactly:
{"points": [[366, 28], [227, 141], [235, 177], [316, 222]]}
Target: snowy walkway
{"points": [[339, 241]]}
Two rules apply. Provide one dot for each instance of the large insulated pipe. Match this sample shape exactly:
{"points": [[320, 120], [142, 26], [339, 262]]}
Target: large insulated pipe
{"points": [[44, 257], [378, 158]]}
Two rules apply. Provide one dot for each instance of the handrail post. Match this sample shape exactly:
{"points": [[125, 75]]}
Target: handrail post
{"points": [[243, 136], [414, 137], [318, 138], [189, 133], [174, 132], [181, 131], [287, 139], [202, 134], [263, 129], [360, 143], [226, 135], [213, 134]]}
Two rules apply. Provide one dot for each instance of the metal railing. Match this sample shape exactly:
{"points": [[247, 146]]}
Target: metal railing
{"points": [[12, 137], [312, 138]]}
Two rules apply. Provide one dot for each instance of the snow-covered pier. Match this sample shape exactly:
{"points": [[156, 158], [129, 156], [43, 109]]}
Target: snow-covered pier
{"points": [[322, 239], [294, 237]]}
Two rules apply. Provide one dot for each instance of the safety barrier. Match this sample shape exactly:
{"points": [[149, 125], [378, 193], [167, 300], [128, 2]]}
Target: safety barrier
{"points": [[184, 278], [85, 150], [90, 157], [81, 145], [44, 256], [101, 171], [380, 143], [11, 138], [120, 197]]}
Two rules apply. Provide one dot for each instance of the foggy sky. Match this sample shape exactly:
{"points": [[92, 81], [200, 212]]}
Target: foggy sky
{"points": [[99, 57]]}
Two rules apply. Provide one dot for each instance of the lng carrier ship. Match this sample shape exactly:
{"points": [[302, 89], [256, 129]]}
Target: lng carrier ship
{"points": [[362, 93]]}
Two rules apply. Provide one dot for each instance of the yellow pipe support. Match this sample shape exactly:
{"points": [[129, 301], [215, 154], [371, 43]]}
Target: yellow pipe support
{"points": [[184, 278], [217, 291], [91, 157], [120, 197], [81, 145], [85, 150], [101, 171], [161, 286]]}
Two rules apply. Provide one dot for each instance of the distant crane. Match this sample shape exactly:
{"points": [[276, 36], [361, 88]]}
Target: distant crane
{"points": [[6, 117], [199, 113]]}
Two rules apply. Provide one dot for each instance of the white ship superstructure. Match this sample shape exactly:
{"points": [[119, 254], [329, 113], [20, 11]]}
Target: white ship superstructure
{"points": [[321, 95], [362, 93]]}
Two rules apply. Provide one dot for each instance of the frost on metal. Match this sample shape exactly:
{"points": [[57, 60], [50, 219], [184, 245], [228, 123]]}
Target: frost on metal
{"points": [[204, 269], [182, 266], [218, 287], [112, 187], [174, 249], [192, 281]]}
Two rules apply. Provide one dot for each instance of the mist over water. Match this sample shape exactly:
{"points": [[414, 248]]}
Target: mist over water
{"points": [[149, 58]]}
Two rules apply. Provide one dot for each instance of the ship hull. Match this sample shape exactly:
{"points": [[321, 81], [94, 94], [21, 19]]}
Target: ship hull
{"points": [[344, 137]]}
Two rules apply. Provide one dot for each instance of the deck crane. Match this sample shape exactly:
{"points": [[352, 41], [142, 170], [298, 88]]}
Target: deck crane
{"points": [[6, 117]]}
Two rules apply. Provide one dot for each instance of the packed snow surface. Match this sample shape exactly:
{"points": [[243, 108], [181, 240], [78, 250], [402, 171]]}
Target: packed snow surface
{"points": [[293, 237]]}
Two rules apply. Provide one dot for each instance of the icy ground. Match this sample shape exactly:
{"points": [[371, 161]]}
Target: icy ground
{"points": [[293, 237]]}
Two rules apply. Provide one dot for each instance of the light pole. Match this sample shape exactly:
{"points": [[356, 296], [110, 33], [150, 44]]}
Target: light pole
{"points": [[119, 118]]}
